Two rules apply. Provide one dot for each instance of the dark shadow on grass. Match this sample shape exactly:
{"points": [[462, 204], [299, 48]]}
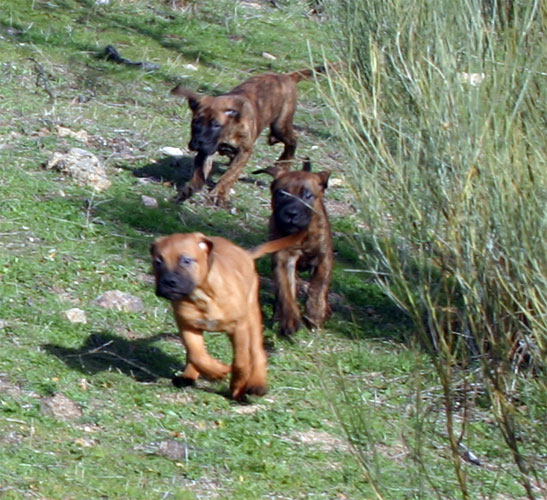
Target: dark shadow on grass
{"points": [[170, 169], [178, 170], [139, 358], [175, 170]]}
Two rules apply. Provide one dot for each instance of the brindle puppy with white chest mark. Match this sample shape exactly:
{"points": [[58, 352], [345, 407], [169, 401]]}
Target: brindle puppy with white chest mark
{"points": [[297, 204]]}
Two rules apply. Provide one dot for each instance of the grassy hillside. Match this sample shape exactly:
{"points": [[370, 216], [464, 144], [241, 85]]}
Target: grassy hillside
{"points": [[131, 434]]}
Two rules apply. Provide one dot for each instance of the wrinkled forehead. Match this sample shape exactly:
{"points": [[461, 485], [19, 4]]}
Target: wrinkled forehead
{"points": [[210, 106], [295, 182], [176, 245]]}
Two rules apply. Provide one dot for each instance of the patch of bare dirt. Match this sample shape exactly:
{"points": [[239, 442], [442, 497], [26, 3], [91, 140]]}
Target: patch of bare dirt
{"points": [[119, 301], [204, 488], [337, 208], [396, 451], [61, 407], [323, 440], [6, 387]]}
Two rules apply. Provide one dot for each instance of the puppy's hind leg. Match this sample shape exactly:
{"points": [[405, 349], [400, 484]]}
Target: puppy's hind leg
{"points": [[257, 383], [241, 364], [282, 131]]}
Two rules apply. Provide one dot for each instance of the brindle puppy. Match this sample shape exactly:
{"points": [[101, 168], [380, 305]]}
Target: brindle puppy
{"points": [[230, 124], [297, 204]]}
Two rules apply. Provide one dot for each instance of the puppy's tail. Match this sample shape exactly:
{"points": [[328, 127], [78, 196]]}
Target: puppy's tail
{"points": [[276, 245], [306, 74]]}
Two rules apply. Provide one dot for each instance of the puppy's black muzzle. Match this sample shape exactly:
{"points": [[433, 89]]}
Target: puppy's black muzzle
{"points": [[204, 138], [172, 286], [292, 216]]}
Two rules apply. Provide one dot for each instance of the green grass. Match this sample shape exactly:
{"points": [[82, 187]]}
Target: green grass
{"points": [[61, 246]]}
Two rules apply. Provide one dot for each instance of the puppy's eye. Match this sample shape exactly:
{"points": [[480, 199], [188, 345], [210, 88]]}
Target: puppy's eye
{"points": [[157, 262], [185, 261], [214, 124], [307, 195], [281, 193]]}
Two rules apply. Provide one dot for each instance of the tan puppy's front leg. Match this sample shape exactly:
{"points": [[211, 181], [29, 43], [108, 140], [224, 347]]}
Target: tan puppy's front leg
{"points": [[241, 365], [221, 191], [198, 359]]}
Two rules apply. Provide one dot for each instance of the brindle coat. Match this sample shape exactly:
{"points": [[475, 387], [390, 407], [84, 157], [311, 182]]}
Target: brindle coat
{"points": [[230, 124], [297, 204]]}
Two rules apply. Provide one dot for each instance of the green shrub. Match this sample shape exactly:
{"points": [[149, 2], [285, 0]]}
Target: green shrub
{"points": [[441, 107]]}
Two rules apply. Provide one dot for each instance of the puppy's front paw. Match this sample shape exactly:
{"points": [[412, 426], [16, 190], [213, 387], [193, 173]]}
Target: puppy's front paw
{"points": [[180, 381], [313, 322], [185, 192], [218, 197], [257, 390], [289, 326]]}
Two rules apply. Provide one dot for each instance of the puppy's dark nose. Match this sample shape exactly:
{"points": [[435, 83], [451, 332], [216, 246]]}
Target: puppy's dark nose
{"points": [[291, 213], [168, 281]]}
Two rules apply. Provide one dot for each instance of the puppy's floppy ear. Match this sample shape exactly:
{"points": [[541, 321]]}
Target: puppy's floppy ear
{"points": [[324, 178], [193, 97], [207, 245], [274, 171], [154, 244]]}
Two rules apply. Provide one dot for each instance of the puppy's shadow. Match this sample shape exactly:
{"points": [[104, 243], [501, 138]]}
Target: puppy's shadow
{"points": [[175, 170], [139, 358]]}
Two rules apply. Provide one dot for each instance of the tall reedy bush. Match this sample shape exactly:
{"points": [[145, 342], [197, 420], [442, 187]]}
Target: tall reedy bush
{"points": [[441, 107]]}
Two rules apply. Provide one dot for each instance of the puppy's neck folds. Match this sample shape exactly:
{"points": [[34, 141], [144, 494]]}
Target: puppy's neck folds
{"points": [[200, 298]]}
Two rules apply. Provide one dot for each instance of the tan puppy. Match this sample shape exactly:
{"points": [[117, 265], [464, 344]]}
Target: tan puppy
{"points": [[230, 124], [297, 205], [213, 286]]}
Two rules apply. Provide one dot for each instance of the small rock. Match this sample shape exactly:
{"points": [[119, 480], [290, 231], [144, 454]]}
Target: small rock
{"points": [[83, 166], [149, 202], [267, 55], [336, 182], [85, 442], [76, 315], [61, 407], [119, 301], [190, 67], [170, 151], [172, 449], [81, 135]]}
